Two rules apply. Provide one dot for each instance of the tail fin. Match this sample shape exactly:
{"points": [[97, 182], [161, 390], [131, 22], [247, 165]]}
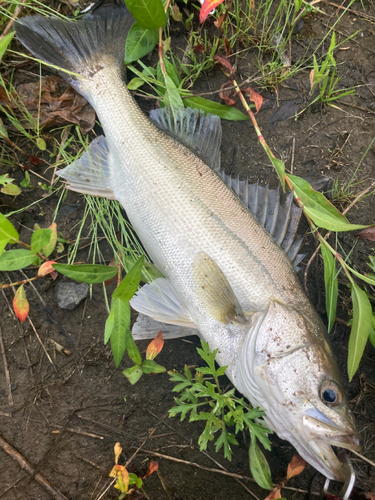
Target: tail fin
{"points": [[82, 47]]}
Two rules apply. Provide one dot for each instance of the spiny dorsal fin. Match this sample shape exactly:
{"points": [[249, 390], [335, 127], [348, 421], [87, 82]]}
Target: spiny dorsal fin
{"points": [[159, 300], [199, 132], [277, 214], [90, 174]]}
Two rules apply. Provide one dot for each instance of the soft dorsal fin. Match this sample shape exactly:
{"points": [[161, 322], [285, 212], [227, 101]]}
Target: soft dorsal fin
{"points": [[159, 300], [90, 174], [199, 132], [276, 213]]}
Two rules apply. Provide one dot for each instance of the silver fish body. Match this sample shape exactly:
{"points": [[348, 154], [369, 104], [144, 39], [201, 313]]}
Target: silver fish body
{"points": [[235, 284]]}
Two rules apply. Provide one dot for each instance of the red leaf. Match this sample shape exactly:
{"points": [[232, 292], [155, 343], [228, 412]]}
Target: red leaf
{"points": [[21, 304], [155, 346], [54, 275], [46, 268], [227, 46], [226, 64], [35, 160], [366, 234], [153, 467], [206, 8], [225, 92], [275, 493], [295, 467], [219, 21], [199, 48], [255, 97]]}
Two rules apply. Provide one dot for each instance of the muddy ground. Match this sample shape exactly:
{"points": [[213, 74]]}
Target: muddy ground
{"points": [[68, 411]]}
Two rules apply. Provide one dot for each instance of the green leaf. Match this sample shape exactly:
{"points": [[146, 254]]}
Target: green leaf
{"points": [[41, 143], [109, 324], [139, 42], [222, 110], [88, 273], [259, 466], [319, 209], [133, 374], [132, 349], [7, 230], [3, 244], [121, 323], [5, 42], [149, 366], [135, 83], [171, 72], [3, 133], [362, 321], [40, 239], [371, 336], [368, 278], [225, 439], [278, 165], [331, 285], [130, 283], [172, 95], [13, 260], [148, 13], [11, 190]]}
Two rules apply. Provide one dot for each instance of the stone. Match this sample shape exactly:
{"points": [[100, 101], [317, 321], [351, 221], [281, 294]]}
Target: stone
{"points": [[69, 295]]}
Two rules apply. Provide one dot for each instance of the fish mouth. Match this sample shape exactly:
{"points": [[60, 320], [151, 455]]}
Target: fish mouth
{"points": [[321, 437]]}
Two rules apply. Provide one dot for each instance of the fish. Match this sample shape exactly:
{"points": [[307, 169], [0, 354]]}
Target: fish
{"points": [[224, 247]]}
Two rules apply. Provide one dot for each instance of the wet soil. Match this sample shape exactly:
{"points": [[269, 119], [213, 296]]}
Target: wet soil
{"points": [[69, 409]]}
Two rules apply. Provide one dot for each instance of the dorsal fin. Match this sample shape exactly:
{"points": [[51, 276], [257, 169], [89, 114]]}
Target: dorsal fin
{"points": [[275, 212], [199, 132]]}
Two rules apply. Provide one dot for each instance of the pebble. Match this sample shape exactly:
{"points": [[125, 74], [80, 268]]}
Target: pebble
{"points": [[69, 295]]}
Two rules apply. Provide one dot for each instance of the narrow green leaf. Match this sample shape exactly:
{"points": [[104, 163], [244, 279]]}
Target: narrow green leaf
{"points": [[331, 285], [319, 209], [277, 164], [368, 278], [7, 230], [40, 239], [133, 374], [3, 244], [5, 42], [88, 273], [148, 13], [130, 283], [371, 336], [362, 321], [149, 366], [135, 83], [3, 133], [259, 466], [172, 95], [132, 349], [222, 110], [110, 321], [139, 42], [121, 323], [13, 260]]}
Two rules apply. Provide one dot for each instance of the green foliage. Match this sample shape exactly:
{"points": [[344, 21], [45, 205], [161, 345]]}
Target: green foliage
{"points": [[40, 239], [140, 42], [5, 42], [87, 273], [149, 14], [204, 400], [13, 260], [331, 285]]}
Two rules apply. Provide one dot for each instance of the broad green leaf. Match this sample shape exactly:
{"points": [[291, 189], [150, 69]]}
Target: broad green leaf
{"points": [[148, 13], [331, 284], [7, 230], [5, 42], [132, 349], [110, 321], [129, 284], [362, 321], [13, 260], [88, 273], [139, 42], [149, 366], [172, 95], [40, 239], [133, 374], [371, 336], [319, 209], [41, 143], [49, 248], [121, 323], [11, 190], [135, 83], [222, 110], [259, 466], [3, 244]]}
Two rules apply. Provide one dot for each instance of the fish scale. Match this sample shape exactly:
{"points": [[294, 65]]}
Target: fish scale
{"points": [[225, 278]]}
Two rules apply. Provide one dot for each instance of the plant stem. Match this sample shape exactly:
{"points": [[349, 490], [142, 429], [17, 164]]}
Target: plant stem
{"points": [[22, 282]]}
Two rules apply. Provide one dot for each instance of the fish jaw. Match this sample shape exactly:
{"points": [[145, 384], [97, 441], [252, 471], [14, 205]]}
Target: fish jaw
{"points": [[284, 367]]}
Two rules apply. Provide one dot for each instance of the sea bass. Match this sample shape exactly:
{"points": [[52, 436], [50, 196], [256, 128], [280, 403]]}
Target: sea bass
{"points": [[225, 278]]}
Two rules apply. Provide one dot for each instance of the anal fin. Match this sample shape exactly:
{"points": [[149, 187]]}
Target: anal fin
{"points": [[147, 328], [90, 174]]}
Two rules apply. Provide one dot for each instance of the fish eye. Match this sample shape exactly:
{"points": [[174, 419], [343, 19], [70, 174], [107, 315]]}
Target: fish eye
{"points": [[330, 393]]}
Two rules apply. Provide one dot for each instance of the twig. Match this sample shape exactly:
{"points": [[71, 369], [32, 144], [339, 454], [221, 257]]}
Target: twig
{"points": [[41, 343], [163, 484], [7, 377], [12, 486], [17, 12], [293, 153], [79, 431], [356, 12], [26, 466], [363, 458]]}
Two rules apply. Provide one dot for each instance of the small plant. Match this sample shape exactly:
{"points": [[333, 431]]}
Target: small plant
{"points": [[221, 411]]}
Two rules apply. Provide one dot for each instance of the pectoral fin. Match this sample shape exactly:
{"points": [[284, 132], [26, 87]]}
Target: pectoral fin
{"points": [[214, 291]]}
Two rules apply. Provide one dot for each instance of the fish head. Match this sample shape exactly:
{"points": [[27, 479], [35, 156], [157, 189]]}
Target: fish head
{"points": [[287, 368]]}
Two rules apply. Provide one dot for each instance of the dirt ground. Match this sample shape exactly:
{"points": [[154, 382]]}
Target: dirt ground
{"points": [[68, 411]]}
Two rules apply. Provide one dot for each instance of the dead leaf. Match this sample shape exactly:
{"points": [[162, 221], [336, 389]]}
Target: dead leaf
{"points": [[155, 346], [46, 268], [295, 467], [226, 90], [53, 102], [219, 21], [226, 64], [312, 73], [176, 13], [370, 496], [227, 46], [153, 467], [366, 234], [199, 48], [118, 451], [276, 492], [256, 98]]}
